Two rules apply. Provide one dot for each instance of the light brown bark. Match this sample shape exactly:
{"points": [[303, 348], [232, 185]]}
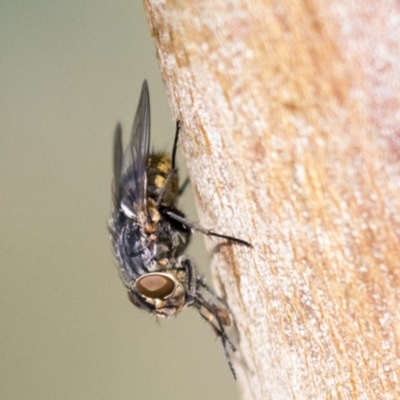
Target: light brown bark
{"points": [[291, 117]]}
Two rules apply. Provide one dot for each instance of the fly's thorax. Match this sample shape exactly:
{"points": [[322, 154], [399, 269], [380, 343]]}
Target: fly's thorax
{"points": [[158, 167], [166, 291], [170, 239], [133, 252]]}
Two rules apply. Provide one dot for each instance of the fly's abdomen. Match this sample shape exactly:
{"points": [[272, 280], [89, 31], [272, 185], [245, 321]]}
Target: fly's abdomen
{"points": [[158, 167]]}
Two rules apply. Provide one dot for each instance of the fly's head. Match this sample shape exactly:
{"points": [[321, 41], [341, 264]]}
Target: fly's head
{"points": [[162, 293]]}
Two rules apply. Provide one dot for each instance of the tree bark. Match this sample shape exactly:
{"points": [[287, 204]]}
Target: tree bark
{"points": [[291, 132]]}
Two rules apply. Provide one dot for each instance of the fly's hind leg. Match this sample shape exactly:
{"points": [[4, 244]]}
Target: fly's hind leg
{"points": [[177, 131], [185, 184], [173, 170]]}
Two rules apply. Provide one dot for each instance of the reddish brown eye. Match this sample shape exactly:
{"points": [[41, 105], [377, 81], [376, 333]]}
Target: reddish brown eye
{"points": [[155, 286]]}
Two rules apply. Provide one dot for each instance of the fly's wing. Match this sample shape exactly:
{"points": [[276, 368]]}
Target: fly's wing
{"points": [[117, 165], [130, 169]]}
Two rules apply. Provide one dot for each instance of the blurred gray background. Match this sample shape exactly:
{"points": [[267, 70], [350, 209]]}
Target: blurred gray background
{"points": [[69, 70]]}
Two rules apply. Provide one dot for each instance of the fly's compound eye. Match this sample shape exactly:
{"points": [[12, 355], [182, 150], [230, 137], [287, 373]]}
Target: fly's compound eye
{"points": [[155, 286]]}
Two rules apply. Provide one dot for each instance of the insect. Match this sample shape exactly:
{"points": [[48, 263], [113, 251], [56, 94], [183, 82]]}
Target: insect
{"points": [[150, 235]]}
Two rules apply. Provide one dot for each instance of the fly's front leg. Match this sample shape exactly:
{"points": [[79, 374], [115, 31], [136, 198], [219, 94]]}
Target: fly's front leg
{"points": [[227, 321], [191, 274], [215, 315]]}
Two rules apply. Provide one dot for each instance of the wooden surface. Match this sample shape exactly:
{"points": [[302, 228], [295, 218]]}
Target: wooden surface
{"points": [[291, 117]]}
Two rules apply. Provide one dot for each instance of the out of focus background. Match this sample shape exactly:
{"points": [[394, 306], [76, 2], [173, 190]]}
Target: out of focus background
{"points": [[69, 70]]}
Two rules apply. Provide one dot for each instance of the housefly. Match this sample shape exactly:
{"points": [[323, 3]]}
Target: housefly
{"points": [[150, 235]]}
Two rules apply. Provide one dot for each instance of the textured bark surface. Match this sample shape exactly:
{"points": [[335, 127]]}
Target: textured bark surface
{"points": [[291, 116]]}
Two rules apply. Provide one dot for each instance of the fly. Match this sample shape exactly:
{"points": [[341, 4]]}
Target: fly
{"points": [[150, 235]]}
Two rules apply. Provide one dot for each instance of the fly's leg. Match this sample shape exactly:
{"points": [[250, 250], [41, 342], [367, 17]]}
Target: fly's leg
{"points": [[211, 313], [173, 170], [226, 319], [177, 130], [215, 316], [168, 180], [185, 184], [191, 274], [179, 218], [198, 228]]}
